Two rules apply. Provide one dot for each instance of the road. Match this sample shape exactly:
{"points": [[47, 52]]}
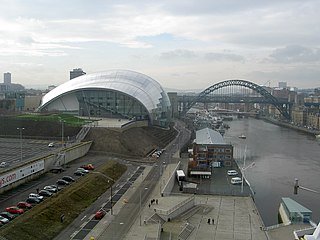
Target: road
{"points": [[129, 213]]}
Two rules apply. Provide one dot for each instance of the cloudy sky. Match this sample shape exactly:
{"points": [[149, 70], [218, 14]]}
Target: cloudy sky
{"points": [[183, 44]]}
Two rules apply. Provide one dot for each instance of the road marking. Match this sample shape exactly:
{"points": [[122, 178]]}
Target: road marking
{"points": [[83, 218], [73, 234]]}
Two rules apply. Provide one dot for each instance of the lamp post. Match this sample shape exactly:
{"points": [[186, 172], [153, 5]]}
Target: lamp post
{"points": [[140, 203], [113, 181], [20, 129], [62, 132], [297, 186]]}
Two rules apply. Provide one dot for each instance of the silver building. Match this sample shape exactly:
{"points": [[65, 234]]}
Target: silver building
{"points": [[111, 94]]}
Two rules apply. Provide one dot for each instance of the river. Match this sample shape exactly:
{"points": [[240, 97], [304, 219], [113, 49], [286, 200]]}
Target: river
{"points": [[280, 155]]}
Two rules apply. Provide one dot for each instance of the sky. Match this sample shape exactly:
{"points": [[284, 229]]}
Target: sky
{"points": [[182, 44]]}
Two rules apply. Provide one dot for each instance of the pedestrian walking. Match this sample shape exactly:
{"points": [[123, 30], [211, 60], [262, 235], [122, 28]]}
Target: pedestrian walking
{"points": [[149, 205], [156, 201], [208, 220], [212, 221]]}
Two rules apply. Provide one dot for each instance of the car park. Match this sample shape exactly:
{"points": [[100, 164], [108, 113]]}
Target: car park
{"points": [[4, 220], [8, 215], [232, 172], [68, 179], [24, 205], [100, 214], [45, 193], [33, 200], [62, 182], [14, 210], [87, 167]]}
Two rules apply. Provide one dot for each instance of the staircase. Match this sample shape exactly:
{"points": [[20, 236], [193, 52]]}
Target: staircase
{"points": [[186, 232]]}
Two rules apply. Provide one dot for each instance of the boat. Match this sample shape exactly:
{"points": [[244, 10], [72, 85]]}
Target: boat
{"points": [[242, 136]]}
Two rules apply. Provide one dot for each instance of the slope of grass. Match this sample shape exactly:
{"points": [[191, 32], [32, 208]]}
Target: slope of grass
{"points": [[43, 221], [67, 118]]}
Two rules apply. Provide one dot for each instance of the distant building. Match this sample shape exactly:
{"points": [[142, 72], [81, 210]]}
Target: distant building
{"points": [[7, 78], [76, 72], [282, 85], [51, 87], [210, 149]]}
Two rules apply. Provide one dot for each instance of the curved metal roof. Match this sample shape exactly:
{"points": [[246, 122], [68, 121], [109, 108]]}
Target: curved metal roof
{"points": [[145, 89]]}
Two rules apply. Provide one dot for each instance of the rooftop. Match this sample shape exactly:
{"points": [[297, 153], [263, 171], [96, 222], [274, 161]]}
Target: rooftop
{"points": [[209, 136], [293, 206]]}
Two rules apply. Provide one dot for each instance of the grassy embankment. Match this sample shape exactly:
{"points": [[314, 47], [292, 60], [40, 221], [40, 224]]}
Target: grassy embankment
{"points": [[43, 221], [66, 118]]}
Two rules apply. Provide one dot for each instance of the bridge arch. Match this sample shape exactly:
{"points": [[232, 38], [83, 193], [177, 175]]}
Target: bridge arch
{"points": [[243, 83]]}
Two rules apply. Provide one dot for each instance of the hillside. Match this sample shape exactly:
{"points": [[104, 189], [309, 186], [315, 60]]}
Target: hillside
{"points": [[136, 142]]}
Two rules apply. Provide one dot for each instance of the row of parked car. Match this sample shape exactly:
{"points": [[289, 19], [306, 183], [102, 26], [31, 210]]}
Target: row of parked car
{"points": [[35, 198]]}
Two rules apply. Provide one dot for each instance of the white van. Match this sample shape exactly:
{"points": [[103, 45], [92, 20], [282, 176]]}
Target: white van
{"points": [[236, 180]]}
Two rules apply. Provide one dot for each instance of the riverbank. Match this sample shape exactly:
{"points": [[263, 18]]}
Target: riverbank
{"points": [[288, 125]]}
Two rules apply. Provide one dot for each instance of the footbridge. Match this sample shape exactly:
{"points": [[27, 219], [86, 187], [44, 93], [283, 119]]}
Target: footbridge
{"points": [[235, 91]]}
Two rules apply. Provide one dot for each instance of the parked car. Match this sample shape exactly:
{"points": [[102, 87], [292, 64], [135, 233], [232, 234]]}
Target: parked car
{"points": [[14, 210], [52, 188], [68, 179], [4, 164], [100, 214], [24, 205], [83, 170], [8, 215], [45, 193], [51, 145], [4, 220], [87, 167], [236, 180], [232, 172], [33, 200], [35, 195], [62, 182], [79, 173]]}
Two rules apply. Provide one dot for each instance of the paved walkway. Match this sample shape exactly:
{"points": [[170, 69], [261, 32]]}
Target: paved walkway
{"points": [[234, 217]]}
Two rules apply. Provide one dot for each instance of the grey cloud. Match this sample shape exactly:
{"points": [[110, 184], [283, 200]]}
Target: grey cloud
{"points": [[224, 57], [179, 53], [295, 54], [300, 77], [219, 7]]}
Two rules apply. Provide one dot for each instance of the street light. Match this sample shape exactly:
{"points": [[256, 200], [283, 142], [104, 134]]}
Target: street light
{"points": [[140, 202], [244, 167], [62, 131], [113, 181], [20, 129], [297, 186]]}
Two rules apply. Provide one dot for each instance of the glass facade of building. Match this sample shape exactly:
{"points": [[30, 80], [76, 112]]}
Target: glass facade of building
{"points": [[116, 93]]}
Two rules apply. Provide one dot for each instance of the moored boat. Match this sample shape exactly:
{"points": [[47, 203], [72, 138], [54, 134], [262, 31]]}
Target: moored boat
{"points": [[242, 136]]}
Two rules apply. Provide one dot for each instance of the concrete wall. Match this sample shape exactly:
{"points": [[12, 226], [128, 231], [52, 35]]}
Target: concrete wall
{"points": [[169, 184], [176, 210]]}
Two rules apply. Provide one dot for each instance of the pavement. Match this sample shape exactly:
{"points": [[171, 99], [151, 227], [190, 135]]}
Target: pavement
{"points": [[234, 217]]}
